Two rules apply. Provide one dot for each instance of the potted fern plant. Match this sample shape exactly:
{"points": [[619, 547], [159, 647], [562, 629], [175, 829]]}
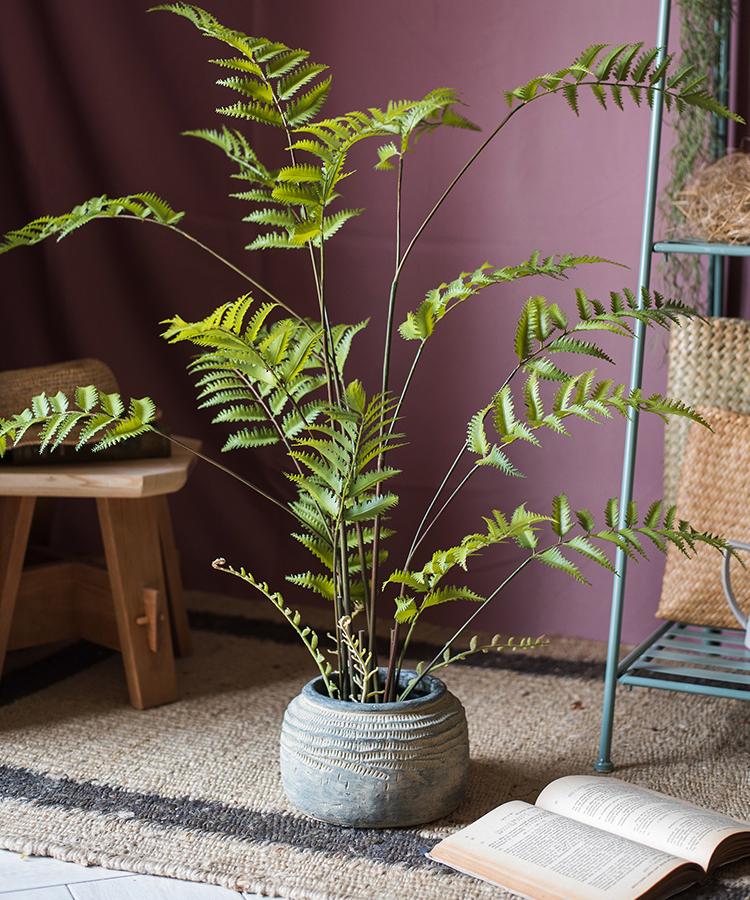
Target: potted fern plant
{"points": [[368, 730]]}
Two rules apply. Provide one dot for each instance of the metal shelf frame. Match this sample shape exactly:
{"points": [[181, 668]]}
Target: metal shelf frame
{"points": [[677, 656]]}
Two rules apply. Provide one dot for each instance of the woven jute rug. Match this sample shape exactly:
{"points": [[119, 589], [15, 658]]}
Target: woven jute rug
{"points": [[192, 790]]}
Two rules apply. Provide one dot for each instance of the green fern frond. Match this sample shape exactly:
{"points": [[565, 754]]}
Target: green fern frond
{"points": [[556, 559], [237, 149], [260, 372], [101, 419], [318, 584], [520, 528], [140, 206], [624, 67], [272, 72], [420, 323]]}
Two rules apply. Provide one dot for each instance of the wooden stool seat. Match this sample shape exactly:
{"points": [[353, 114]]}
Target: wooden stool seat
{"points": [[136, 606]]}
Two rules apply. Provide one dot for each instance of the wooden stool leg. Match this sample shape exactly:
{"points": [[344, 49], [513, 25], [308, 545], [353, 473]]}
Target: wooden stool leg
{"points": [[15, 522], [177, 613], [130, 531]]}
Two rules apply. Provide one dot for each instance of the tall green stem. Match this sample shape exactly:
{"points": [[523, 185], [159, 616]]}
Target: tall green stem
{"points": [[426, 531], [465, 625], [345, 596], [384, 390], [230, 265], [405, 388], [459, 456], [225, 470]]}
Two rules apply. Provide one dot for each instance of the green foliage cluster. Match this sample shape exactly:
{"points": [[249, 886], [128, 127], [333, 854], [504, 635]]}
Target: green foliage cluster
{"points": [[271, 376]]}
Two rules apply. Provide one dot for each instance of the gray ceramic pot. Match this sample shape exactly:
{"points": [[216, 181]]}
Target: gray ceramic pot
{"points": [[375, 765]]}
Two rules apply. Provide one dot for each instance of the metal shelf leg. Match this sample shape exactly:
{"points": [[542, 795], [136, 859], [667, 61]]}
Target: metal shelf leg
{"points": [[604, 762]]}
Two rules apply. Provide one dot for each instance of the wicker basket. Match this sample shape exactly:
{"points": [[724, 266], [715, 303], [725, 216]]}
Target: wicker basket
{"points": [[709, 364], [713, 495]]}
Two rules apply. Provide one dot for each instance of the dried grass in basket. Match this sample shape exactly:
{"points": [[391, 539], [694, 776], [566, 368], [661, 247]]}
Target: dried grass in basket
{"points": [[713, 495], [709, 365], [716, 204]]}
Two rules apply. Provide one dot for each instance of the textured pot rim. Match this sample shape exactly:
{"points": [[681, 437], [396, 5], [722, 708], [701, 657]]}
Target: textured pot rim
{"points": [[436, 688]]}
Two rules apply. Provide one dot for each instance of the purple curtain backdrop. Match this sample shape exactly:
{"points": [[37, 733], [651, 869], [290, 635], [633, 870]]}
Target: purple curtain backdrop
{"points": [[93, 96]]}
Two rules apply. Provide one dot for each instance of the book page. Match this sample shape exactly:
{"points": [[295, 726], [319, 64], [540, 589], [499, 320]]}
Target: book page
{"points": [[674, 826], [542, 855]]}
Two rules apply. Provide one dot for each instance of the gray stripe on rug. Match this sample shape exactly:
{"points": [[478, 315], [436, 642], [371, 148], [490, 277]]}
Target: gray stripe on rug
{"points": [[403, 847]]}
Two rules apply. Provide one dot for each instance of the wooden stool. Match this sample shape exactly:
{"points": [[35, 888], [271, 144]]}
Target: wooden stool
{"points": [[137, 606]]}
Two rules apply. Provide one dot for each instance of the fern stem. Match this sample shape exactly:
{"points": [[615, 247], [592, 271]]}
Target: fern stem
{"points": [[436, 497], [227, 471], [394, 284], [465, 625], [337, 613], [369, 608], [405, 645], [189, 237], [346, 598], [442, 509], [413, 549], [389, 687], [405, 388], [384, 388], [319, 281], [461, 172]]}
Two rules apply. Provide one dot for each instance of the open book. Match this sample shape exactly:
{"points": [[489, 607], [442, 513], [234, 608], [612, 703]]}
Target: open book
{"points": [[590, 837]]}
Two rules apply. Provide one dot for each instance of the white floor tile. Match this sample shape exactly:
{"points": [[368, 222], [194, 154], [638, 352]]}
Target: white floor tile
{"points": [[18, 873], [39, 878], [47, 893], [147, 887], [56, 893]]}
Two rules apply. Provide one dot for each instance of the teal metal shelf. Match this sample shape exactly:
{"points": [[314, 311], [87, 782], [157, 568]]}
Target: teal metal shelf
{"points": [[691, 659], [702, 248], [677, 656]]}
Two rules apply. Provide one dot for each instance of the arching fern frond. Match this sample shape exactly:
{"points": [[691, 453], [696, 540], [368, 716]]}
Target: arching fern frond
{"points": [[579, 396], [139, 206], [423, 587], [612, 72], [312, 187], [265, 375], [420, 324], [408, 120], [236, 148], [273, 79], [544, 331], [659, 527], [99, 419]]}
